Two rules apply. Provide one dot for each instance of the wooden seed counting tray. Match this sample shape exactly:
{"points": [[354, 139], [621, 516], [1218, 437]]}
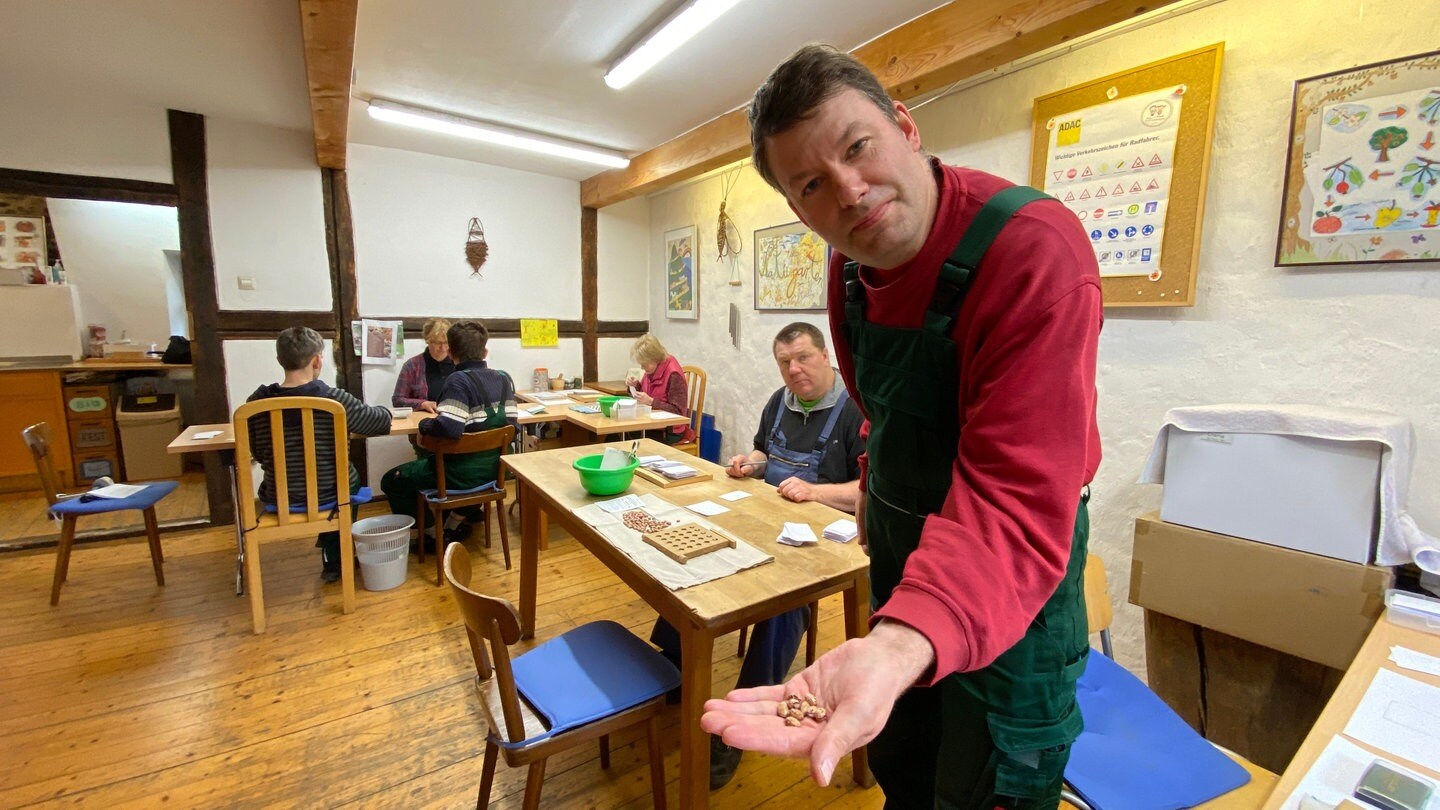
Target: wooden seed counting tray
{"points": [[666, 482], [687, 541]]}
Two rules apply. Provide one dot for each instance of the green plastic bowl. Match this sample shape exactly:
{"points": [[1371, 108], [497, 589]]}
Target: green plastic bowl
{"points": [[604, 482], [607, 402]]}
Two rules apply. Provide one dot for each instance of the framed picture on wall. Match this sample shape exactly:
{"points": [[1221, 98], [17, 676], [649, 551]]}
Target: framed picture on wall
{"points": [[682, 274], [789, 268], [1362, 177]]}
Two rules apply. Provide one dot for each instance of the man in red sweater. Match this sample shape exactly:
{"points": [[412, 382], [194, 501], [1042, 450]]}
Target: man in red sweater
{"points": [[966, 312]]}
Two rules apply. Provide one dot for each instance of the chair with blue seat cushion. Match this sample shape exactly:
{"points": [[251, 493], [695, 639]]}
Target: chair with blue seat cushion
{"points": [[444, 499], [1135, 752], [317, 423], [69, 508], [584, 685]]}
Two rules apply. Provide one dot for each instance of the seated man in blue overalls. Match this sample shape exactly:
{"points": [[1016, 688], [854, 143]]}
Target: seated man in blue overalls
{"points": [[808, 446]]}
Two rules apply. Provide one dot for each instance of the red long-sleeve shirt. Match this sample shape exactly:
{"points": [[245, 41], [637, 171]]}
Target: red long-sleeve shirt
{"points": [[1026, 344]]}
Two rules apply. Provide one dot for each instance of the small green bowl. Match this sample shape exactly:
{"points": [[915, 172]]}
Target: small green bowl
{"points": [[607, 402], [604, 482]]}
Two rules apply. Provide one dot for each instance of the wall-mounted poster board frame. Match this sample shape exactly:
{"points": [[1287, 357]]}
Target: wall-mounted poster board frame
{"points": [[1129, 153], [1362, 177]]}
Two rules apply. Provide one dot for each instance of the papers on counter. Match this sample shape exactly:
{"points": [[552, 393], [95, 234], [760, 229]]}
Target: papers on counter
{"points": [[622, 504], [646, 461], [737, 495], [1407, 658], [1400, 715], [707, 508], [674, 469], [797, 534], [663, 415], [207, 434], [841, 531]]}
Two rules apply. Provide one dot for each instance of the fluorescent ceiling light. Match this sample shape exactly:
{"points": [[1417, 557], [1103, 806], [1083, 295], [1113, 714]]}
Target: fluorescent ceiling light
{"points": [[671, 34], [493, 133]]}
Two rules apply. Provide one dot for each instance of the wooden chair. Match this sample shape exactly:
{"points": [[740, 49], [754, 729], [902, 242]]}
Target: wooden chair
{"points": [[695, 393], [1099, 612], [516, 728], [441, 500], [289, 520], [812, 633], [69, 508]]}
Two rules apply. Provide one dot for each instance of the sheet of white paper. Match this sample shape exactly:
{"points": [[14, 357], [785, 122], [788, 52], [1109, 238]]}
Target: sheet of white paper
{"points": [[646, 461], [662, 415], [737, 495], [622, 504], [1416, 660], [841, 531], [208, 434], [1334, 776], [707, 508], [1401, 715], [117, 491], [797, 534], [614, 459]]}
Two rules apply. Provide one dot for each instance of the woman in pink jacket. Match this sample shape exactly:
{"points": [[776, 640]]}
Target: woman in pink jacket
{"points": [[662, 385]]}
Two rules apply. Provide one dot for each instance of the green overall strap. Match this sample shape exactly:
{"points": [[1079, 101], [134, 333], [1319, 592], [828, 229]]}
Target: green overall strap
{"points": [[958, 271]]}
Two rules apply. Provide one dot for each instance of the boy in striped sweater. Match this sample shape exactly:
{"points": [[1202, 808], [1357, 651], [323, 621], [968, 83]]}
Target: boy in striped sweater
{"points": [[299, 350], [475, 398]]}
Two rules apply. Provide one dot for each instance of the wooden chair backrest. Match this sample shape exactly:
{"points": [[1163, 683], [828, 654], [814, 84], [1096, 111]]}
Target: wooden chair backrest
{"points": [[1098, 610], [37, 438], [488, 620], [494, 439], [244, 458], [695, 393]]}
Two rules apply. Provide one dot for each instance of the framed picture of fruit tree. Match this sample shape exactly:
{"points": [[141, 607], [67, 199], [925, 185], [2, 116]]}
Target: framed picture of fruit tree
{"points": [[1362, 178]]}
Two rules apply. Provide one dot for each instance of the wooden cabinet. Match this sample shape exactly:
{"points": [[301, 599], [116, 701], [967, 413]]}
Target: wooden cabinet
{"points": [[27, 397]]}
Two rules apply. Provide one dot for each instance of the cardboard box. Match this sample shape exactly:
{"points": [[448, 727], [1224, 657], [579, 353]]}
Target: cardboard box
{"points": [[1296, 492], [1312, 607]]}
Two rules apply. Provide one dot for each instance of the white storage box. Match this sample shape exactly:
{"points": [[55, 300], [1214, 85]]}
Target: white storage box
{"points": [[1297, 492]]}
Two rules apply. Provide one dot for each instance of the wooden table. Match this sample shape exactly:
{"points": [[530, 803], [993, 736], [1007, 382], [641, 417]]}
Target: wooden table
{"points": [[616, 387], [799, 576], [1373, 656], [186, 442]]}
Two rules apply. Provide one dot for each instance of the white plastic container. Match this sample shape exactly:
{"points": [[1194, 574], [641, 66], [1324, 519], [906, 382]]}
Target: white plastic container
{"points": [[1413, 610], [624, 408], [382, 545]]}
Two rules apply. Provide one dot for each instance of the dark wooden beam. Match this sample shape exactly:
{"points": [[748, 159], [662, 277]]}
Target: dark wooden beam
{"points": [[953, 42], [589, 290], [243, 323], [510, 327], [328, 27], [86, 187], [340, 248], [197, 269]]}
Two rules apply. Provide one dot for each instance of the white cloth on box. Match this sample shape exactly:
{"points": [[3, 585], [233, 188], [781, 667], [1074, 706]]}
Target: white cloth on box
{"points": [[671, 574], [1401, 539]]}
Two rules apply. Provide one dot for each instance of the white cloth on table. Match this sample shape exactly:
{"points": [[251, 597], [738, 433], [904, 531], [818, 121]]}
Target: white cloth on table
{"points": [[1401, 539], [671, 574]]}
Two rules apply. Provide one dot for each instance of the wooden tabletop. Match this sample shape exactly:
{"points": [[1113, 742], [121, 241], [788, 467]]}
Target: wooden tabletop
{"points": [[1373, 656], [743, 597], [186, 442], [616, 387], [602, 425]]}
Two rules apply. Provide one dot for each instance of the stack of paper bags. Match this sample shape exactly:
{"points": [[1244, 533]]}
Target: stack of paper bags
{"points": [[672, 469], [841, 531], [797, 534]]}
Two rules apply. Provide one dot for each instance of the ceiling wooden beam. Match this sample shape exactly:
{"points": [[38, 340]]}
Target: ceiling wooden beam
{"points": [[953, 42], [329, 30]]}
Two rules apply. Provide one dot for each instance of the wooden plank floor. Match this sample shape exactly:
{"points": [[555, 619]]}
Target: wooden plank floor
{"points": [[132, 695], [22, 514]]}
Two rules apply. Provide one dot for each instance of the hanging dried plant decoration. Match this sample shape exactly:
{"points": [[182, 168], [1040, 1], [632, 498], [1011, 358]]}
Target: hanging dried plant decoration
{"points": [[727, 235], [476, 248]]}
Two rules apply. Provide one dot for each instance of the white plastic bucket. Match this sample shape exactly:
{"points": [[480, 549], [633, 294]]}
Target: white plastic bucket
{"points": [[382, 545]]}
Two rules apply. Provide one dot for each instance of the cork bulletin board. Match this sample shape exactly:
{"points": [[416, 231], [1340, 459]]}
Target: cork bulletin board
{"points": [[1129, 153]]}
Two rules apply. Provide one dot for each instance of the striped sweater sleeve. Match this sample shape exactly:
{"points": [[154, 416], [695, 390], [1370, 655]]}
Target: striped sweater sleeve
{"points": [[366, 420]]}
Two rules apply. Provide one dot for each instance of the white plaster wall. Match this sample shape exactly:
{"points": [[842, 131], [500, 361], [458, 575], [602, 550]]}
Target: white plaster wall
{"points": [[82, 130], [267, 217], [114, 253], [740, 379], [622, 260], [612, 357], [1364, 337], [411, 213]]}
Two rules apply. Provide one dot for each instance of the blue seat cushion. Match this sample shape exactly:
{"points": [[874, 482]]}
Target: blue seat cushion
{"points": [[359, 496], [1137, 754], [153, 492], [589, 673], [433, 495]]}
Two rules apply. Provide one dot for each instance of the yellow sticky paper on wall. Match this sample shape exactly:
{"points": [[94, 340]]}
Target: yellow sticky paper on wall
{"points": [[1069, 133], [538, 332]]}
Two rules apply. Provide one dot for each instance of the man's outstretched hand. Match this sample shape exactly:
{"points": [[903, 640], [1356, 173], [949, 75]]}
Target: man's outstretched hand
{"points": [[857, 683]]}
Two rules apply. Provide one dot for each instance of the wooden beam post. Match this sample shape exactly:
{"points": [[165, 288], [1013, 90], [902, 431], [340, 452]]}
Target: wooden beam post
{"points": [[329, 30], [340, 247], [590, 292], [953, 42]]}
